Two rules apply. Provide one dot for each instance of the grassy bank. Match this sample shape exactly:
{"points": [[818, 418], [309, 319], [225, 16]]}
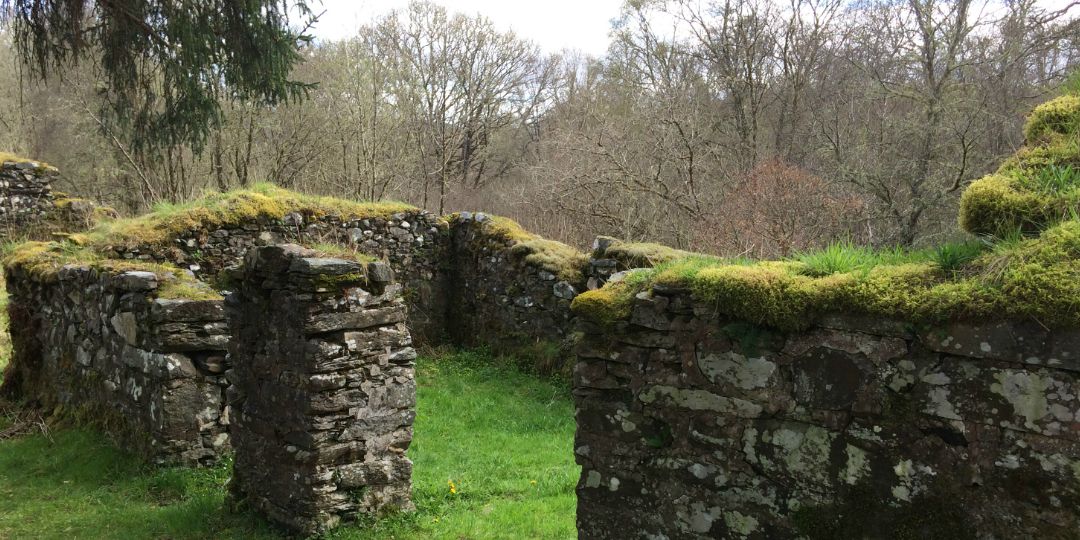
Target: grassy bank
{"points": [[492, 452]]}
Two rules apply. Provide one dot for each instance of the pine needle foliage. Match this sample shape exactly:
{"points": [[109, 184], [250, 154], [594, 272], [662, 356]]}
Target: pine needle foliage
{"points": [[166, 65]]}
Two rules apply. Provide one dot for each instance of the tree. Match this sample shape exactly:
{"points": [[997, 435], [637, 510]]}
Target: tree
{"points": [[166, 65]]}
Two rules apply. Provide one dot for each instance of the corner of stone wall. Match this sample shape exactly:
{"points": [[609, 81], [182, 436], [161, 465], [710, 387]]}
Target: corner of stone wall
{"points": [[500, 300], [100, 347], [322, 388]]}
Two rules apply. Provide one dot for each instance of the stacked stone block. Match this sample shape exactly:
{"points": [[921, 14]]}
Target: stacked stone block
{"points": [[323, 392], [25, 192], [100, 345], [694, 425]]}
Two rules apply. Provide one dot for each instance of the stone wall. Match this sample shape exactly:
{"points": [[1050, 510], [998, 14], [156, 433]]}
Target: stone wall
{"points": [[414, 243], [101, 345], [323, 391], [502, 300], [691, 425], [25, 192]]}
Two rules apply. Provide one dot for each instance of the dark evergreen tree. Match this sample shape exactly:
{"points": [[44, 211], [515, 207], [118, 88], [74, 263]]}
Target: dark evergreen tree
{"points": [[167, 65]]}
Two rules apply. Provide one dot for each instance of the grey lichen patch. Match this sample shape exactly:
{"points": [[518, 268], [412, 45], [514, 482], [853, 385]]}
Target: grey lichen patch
{"points": [[1026, 392], [740, 524], [747, 373], [938, 404], [700, 400], [857, 465]]}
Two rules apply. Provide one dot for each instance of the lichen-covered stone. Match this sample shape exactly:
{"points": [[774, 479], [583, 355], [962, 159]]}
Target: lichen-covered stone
{"points": [[692, 425], [101, 346], [323, 394]]}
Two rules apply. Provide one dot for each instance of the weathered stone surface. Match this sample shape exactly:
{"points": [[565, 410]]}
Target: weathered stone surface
{"points": [[333, 322], [323, 392], [101, 344], [686, 430]]}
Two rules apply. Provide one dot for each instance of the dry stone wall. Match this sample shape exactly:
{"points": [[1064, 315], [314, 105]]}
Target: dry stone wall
{"points": [[323, 391], [692, 425], [415, 244], [25, 193], [504, 302], [101, 345]]}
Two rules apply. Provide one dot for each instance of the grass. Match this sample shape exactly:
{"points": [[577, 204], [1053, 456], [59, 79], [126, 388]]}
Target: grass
{"points": [[215, 210], [503, 438], [1014, 277], [844, 256], [1052, 179], [44, 260]]}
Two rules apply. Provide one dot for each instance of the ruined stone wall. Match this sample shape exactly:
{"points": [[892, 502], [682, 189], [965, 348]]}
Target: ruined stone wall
{"points": [[691, 425], [505, 302], [415, 244], [323, 394], [102, 346], [25, 193]]}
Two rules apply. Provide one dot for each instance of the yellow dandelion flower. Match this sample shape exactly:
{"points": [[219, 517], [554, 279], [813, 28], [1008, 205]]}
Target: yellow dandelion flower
{"points": [[453, 487]]}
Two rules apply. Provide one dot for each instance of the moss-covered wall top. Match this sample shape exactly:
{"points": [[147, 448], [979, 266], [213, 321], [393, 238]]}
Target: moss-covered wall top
{"points": [[1024, 264]]}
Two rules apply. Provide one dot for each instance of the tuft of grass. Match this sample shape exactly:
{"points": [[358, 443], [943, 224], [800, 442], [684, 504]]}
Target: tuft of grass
{"points": [[845, 256], [952, 257], [1052, 179], [503, 438]]}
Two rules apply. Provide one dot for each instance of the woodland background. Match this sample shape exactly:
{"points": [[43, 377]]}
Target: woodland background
{"points": [[741, 127]]}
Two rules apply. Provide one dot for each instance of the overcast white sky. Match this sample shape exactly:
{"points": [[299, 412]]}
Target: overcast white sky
{"points": [[552, 24]]}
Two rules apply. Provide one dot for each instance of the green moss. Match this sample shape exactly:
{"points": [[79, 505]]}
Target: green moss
{"points": [[43, 260], [606, 305], [560, 259], [1028, 278], [6, 157], [182, 289], [216, 210], [338, 251], [1060, 115], [643, 254], [995, 205]]}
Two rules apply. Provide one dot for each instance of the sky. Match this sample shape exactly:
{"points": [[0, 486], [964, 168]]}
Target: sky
{"points": [[553, 24]]}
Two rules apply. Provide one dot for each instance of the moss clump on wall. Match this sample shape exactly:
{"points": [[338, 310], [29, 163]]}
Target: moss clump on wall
{"points": [[608, 304], [1039, 185], [1060, 115], [8, 157], [216, 210], [1036, 278], [643, 254], [43, 261], [558, 258]]}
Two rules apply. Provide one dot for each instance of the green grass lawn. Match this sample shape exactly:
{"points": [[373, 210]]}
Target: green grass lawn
{"points": [[502, 438]]}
